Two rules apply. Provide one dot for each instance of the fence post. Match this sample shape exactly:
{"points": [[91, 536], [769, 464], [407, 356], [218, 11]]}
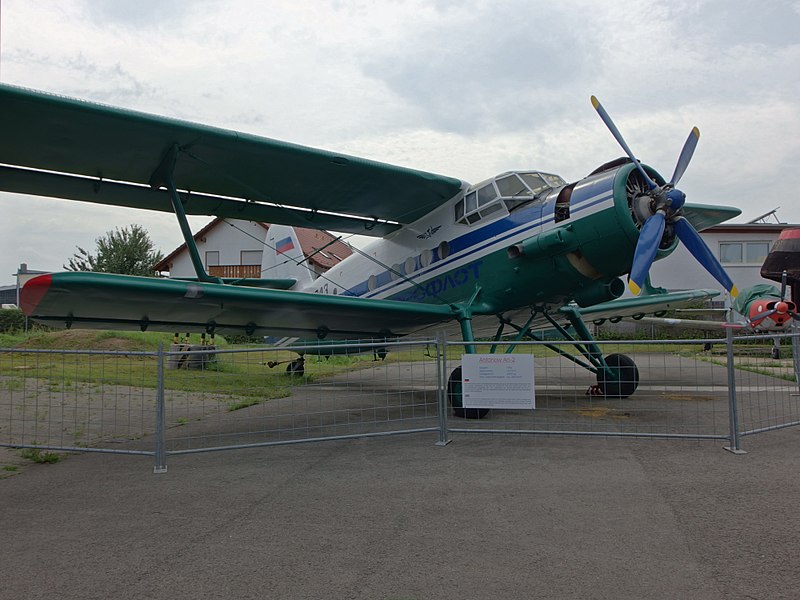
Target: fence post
{"points": [[796, 352], [160, 465], [441, 386], [733, 413]]}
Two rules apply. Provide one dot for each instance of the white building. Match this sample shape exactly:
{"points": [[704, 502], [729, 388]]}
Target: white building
{"points": [[233, 248], [741, 248]]}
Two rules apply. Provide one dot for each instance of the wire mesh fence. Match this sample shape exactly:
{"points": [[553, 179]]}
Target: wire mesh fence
{"points": [[199, 399], [77, 400], [262, 396], [679, 394]]}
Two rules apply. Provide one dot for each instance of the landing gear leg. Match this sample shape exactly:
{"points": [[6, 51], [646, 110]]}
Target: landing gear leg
{"points": [[617, 374], [455, 395]]}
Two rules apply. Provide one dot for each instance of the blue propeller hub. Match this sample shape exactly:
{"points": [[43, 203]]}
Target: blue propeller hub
{"points": [[676, 199]]}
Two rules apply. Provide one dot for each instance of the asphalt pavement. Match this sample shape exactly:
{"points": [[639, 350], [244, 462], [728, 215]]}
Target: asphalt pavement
{"points": [[487, 516]]}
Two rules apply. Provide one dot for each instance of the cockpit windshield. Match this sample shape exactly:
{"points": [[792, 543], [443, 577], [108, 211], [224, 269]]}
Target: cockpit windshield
{"points": [[508, 191]]}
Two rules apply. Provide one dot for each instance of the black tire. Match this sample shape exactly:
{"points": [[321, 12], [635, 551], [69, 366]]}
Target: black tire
{"points": [[456, 400], [296, 367], [625, 379]]}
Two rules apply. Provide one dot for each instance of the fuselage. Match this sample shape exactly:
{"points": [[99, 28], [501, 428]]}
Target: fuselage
{"points": [[539, 247]]}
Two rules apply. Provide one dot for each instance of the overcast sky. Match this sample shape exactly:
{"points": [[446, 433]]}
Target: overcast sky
{"points": [[463, 88]]}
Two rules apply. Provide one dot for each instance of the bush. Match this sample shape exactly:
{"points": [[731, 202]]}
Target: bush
{"points": [[11, 320]]}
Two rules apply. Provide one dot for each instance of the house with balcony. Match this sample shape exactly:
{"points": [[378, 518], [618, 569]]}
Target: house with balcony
{"points": [[233, 248]]}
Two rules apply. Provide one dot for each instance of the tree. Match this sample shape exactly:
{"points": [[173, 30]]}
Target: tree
{"points": [[128, 251]]}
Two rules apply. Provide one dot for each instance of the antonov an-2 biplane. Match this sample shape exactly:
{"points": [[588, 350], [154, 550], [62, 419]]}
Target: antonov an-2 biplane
{"points": [[502, 258]]}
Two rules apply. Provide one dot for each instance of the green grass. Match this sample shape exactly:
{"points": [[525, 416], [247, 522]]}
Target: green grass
{"points": [[39, 456], [243, 374]]}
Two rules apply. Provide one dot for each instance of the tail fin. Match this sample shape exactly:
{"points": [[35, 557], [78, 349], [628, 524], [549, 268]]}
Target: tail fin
{"points": [[283, 257]]}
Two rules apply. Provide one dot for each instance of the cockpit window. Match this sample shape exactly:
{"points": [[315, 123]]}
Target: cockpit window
{"points": [[553, 180], [486, 194], [471, 201], [511, 186], [506, 192], [477, 205], [535, 182]]}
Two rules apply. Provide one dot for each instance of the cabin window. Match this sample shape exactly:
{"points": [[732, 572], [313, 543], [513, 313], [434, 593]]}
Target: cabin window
{"points": [[410, 265], [372, 283], [444, 250], [426, 258]]}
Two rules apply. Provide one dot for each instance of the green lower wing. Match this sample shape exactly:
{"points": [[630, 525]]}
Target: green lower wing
{"points": [[105, 301], [644, 305]]}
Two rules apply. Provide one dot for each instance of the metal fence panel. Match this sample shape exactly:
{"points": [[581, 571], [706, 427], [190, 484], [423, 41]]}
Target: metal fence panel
{"points": [[197, 400], [77, 400], [680, 394], [240, 401], [767, 393]]}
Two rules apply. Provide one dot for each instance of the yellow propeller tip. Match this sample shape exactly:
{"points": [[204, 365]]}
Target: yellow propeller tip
{"points": [[696, 132], [634, 288], [734, 292], [595, 102]]}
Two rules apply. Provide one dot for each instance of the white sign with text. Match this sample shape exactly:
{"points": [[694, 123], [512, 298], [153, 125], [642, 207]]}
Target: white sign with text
{"points": [[498, 381]]}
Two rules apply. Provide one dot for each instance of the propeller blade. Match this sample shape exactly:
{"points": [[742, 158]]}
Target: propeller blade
{"points": [[686, 156], [621, 141], [695, 244], [764, 315], [646, 249], [784, 275]]}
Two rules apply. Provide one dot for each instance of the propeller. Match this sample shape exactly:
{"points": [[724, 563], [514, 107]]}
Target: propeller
{"points": [[664, 208]]}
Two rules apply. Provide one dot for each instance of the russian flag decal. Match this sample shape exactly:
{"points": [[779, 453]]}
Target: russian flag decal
{"points": [[284, 245]]}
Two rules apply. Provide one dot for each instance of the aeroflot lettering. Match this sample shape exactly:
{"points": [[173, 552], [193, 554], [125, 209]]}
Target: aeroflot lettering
{"points": [[439, 285]]}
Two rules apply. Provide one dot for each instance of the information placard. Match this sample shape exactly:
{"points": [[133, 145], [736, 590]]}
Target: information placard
{"points": [[498, 381]]}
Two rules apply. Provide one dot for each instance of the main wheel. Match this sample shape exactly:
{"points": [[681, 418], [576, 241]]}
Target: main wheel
{"points": [[625, 377], [455, 397], [296, 367]]}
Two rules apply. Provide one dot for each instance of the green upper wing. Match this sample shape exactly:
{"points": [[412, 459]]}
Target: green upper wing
{"points": [[66, 148], [107, 301]]}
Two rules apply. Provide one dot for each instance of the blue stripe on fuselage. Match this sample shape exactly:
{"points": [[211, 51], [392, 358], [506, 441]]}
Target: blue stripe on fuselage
{"points": [[476, 241]]}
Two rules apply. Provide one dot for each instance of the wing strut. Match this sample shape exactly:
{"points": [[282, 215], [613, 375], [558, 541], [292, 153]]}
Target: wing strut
{"points": [[164, 176]]}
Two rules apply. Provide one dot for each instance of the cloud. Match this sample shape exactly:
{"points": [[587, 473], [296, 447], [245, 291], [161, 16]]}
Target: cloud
{"points": [[463, 88]]}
